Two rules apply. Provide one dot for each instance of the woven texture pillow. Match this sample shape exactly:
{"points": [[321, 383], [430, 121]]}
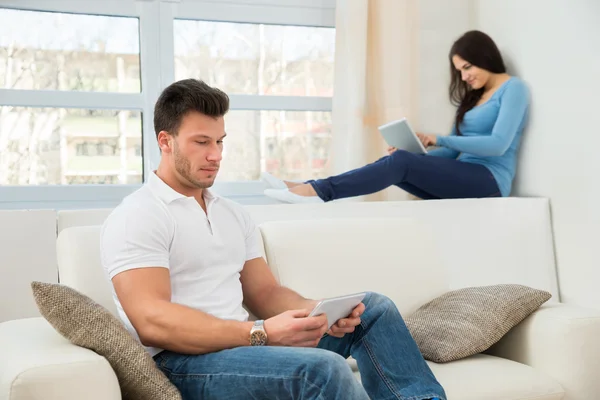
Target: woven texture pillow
{"points": [[468, 321], [87, 324]]}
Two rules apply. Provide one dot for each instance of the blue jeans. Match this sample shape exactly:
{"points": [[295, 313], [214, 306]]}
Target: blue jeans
{"points": [[427, 177], [390, 363]]}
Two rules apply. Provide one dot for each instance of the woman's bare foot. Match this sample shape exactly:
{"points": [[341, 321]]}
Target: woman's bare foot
{"points": [[292, 184], [303, 189], [276, 183]]}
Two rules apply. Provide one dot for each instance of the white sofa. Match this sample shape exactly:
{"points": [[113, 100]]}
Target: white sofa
{"points": [[409, 251]]}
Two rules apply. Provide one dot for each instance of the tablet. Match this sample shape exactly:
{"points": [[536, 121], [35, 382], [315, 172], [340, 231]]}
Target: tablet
{"points": [[400, 135], [337, 307]]}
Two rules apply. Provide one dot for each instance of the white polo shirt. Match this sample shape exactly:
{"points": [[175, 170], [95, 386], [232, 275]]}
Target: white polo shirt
{"points": [[205, 252]]}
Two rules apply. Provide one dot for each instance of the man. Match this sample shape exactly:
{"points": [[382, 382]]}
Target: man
{"points": [[182, 260]]}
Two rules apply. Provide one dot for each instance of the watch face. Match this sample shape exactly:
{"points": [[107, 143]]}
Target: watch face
{"points": [[258, 338]]}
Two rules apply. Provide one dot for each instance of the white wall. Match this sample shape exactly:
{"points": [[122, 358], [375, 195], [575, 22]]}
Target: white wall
{"points": [[417, 36], [555, 46], [441, 22]]}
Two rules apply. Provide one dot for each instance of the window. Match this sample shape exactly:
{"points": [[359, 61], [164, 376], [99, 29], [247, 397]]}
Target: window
{"points": [[256, 58], [95, 53], [77, 92], [291, 144], [51, 145], [263, 60]]}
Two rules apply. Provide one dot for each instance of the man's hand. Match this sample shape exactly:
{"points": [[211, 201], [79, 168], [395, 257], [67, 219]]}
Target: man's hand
{"points": [[347, 325], [391, 149], [294, 328], [427, 140]]}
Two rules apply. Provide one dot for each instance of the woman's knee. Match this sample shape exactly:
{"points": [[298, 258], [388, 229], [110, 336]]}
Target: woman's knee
{"points": [[402, 160], [403, 156]]}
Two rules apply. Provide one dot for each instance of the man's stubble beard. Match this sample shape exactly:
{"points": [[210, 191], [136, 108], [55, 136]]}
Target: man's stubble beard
{"points": [[184, 168]]}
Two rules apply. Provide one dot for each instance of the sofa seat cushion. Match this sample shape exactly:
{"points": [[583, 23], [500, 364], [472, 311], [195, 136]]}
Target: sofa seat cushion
{"points": [[43, 365], [487, 377]]}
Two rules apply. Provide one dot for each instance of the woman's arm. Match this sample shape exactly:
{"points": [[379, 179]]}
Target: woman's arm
{"points": [[445, 152], [513, 108]]}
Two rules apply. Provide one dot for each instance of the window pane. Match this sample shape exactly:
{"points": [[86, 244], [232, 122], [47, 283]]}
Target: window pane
{"points": [[289, 144], [58, 51], [55, 146], [256, 59]]}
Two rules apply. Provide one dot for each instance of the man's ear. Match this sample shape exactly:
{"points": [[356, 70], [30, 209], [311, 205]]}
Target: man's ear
{"points": [[164, 139]]}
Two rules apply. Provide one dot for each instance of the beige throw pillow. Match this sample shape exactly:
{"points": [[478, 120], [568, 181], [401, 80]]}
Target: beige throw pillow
{"points": [[87, 324], [468, 321]]}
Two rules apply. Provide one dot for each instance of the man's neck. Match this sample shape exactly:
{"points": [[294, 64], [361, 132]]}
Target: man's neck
{"points": [[172, 180]]}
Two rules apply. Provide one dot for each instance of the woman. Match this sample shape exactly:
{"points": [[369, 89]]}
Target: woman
{"points": [[478, 159]]}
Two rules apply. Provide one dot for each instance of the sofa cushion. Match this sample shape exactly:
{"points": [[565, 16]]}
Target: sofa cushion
{"points": [[468, 321], [482, 376], [38, 363], [28, 253], [334, 257], [523, 252], [80, 266], [87, 324]]}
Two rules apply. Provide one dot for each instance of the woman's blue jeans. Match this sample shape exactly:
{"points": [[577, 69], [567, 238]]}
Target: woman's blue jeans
{"points": [[427, 177]]}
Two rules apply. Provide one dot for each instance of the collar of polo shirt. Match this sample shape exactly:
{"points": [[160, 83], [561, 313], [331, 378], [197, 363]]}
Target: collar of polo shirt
{"points": [[167, 194]]}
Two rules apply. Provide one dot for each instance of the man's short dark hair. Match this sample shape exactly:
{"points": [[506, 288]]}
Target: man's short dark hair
{"points": [[182, 97]]}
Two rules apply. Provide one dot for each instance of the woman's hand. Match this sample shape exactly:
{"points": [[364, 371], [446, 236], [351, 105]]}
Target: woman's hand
{"points": [[391, 149], [427, 140]]}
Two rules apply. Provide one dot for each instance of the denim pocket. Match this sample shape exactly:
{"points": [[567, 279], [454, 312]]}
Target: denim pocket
{"points": [[161, 360]]}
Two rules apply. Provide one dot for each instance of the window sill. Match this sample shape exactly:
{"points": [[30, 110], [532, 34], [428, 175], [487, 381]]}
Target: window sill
{"points": [[106, 196]]}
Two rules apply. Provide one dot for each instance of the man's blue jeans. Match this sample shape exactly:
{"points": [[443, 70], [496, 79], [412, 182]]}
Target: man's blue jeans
{"points": [[390, 364]]}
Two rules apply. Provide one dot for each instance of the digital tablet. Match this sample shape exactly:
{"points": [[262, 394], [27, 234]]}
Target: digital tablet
{"points": [[400, 135], [337, 307]]}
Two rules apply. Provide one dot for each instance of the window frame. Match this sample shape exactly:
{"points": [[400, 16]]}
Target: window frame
{"points": [[157, 70]]}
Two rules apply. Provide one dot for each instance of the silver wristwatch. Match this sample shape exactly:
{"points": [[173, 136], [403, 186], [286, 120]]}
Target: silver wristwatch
{"points": [[258, 335]]}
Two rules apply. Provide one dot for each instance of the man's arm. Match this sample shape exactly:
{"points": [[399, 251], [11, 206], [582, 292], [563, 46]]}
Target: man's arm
{"points": [[267, 298], [264, 296], [145, 294]]}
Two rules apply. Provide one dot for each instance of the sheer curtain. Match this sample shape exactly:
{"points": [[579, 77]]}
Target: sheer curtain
{"points": [[376, 80]]}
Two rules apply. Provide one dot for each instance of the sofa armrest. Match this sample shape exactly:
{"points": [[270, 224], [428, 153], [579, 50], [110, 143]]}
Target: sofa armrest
{"points": [[38, 363], [562, 341]]}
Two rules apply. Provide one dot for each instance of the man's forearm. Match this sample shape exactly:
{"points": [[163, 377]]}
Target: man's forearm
{"points": [[280, 299], [185, 330]]}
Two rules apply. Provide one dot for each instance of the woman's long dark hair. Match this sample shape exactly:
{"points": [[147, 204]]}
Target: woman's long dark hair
{"points": [[477, 49]]}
